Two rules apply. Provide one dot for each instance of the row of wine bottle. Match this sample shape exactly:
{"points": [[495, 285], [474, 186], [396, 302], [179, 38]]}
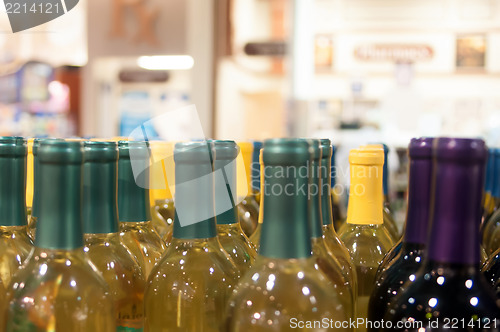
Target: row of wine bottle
{"points": [[102, 259]]}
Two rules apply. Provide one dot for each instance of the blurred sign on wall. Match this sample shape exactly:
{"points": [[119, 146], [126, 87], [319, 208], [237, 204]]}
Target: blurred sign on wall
{"points": [[138, 27]]}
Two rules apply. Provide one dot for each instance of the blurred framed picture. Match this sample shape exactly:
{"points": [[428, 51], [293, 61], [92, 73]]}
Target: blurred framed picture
{"points": [[471, 52], [323, 53]]}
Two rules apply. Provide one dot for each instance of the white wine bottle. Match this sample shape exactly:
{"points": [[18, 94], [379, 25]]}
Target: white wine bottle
{"points": [[117, 265], [284, 287], [364, 233], [15, 244], [188, 290], [59, 289]]}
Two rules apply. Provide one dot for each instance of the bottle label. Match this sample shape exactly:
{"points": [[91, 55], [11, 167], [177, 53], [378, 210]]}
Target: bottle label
{"points": [[128, 329]]}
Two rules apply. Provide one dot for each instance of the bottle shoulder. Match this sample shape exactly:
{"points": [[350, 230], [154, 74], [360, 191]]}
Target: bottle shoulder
{"points": [[61, 269], [195, 258], [366, 240], [112, 256], [143, 233]]}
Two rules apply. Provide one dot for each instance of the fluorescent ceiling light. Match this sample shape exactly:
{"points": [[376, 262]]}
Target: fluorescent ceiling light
{"points": [[166, 62]]}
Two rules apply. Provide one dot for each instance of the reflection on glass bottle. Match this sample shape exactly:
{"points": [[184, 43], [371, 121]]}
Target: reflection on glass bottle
{"points": [[117, 265], [450, 287], [161, 198], [136, 231], [284, 283], [189, 288], [59, 289]]}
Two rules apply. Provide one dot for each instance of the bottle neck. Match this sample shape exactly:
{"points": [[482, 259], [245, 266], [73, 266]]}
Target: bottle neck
{"points": [[315, 200], [255, 174], [285, 230], [365, 195], [225, 192], [385, 179], [133, 200], [194, 201], [419, 193], [59, 224], [12, 190], [36, 187], [457, 209], [326, 202], [100, 211]]}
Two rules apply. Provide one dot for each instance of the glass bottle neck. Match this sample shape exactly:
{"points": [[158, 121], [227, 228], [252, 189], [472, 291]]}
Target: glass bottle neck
{"points": [[133, 200], [285, 229], [194, 201], [12, 190], [59, 225], [419, 193], [457, 211], [100, 211]]}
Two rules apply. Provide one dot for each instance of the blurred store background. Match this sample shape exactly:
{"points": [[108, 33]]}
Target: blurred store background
{"points": [[355, 71]]}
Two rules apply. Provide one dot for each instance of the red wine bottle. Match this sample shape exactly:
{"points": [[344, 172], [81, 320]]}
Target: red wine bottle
{"points": [[406, 264], [449, 290]]}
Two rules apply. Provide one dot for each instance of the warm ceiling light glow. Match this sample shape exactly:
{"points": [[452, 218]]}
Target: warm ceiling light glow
{"points": [[166, 62]]}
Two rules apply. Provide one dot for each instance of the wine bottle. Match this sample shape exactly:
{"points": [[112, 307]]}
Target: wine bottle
{"points": [[449, 289], [161, 199], [332, 240], [255, 237], [136, 231], [337, 200], [248, 208], [364, 233], [58, 288], [326, 260], [117, 265], [284, 287], [406, 264], [15, 244], [189, 288], [255, 169], [231, 235]]}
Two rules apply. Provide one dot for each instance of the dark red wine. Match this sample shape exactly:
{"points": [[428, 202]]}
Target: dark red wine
{"points": [[449, 290], [411, 255]]}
